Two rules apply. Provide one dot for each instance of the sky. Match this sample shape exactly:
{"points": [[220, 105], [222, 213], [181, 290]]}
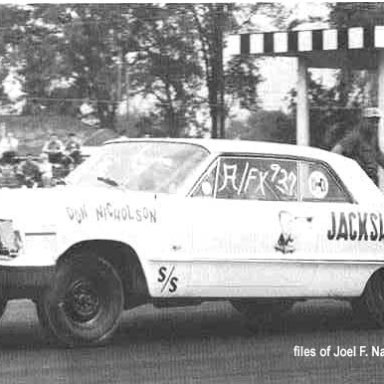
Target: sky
{"points": [[280, 73]]}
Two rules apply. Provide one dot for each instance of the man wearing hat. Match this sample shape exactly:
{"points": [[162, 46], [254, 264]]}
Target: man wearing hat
{"points": [[362, 144]]}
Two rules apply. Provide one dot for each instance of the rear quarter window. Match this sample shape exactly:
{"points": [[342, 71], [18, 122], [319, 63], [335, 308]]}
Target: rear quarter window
{"points": [[318, 183]]}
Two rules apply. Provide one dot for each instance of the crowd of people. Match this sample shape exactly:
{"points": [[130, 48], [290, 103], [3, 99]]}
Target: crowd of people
{"points": [[39, 170], [361, 144]]}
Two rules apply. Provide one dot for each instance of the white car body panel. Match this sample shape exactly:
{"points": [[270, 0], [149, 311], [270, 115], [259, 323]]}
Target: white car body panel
{"points": [[205, 247]]}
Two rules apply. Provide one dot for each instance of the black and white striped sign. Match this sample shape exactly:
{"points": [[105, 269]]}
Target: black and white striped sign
{"points": [[293, 42]]}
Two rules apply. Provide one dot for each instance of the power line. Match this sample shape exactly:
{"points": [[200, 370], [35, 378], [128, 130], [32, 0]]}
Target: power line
{"points": [[199, 103]]}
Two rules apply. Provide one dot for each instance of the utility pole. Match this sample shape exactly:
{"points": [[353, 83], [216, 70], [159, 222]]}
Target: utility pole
{"points": [[220, 69], [119, 74], [302, 116], [129, 60], [127, 86]]}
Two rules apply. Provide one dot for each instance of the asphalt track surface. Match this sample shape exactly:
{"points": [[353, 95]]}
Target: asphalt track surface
{"points": [[210, 343]]}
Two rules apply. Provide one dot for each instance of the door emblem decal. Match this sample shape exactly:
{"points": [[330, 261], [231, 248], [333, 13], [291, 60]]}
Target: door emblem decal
{"points": [[288, 224]]}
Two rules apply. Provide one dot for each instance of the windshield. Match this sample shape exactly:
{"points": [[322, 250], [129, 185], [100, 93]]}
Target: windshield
{"points": [[140, 166]]}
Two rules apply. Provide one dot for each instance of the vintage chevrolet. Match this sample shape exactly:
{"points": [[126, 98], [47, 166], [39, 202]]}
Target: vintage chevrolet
{"points": [[178, 222]]}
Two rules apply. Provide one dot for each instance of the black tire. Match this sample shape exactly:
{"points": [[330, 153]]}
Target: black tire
{"points": [[262, 312], [359, 308], [361, 313], [373, 298], [84, 304]]}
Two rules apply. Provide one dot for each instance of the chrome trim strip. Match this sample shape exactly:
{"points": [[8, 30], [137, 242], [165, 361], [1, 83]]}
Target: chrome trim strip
{"points": [[40, 234], [285, 261]]}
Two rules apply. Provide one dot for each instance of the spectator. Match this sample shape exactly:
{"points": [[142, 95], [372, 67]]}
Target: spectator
{"points": [[54, 149], [46, 170], [73, 148], [28, 172], [362, 144], [9, 146]]}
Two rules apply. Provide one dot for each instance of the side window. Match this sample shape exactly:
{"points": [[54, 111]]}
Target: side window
{"points": [[318, 184], [206, 186], [257, 179]]}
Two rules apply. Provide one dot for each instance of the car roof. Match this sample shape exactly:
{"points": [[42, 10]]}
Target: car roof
{"points": [[246, 146], [355, 179]]}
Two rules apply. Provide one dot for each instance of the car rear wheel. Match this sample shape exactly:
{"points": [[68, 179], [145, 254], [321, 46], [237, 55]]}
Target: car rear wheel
{"points": [[361, 312], [359, 307], [85, 303], [373, 298], [262, 311]]}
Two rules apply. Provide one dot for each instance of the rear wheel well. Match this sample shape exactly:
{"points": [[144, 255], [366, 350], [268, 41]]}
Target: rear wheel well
{"points": [[124, 259]]}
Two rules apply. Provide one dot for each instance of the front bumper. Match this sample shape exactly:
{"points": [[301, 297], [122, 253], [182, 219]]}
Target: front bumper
{"points": [[24, 282]]}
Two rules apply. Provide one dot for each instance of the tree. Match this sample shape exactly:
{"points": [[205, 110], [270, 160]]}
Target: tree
{"points": [[330, 116], [41, 60], [12, 17], [68, 54], [92, 47], [75, 52], [211, 22], [274, 126], [167, 65], [346, 14], [343, 15], [240, 78]]}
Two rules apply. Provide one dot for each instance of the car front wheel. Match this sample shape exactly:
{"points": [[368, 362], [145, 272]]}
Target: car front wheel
{"points": [[84, 304]]}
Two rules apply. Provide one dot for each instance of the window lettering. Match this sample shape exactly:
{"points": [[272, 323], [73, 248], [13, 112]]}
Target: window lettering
{"points": [[230, 173], [243, 179], [254, 174], [260, 187], [293, 180], [247, 178], [275, 168], [273, 180]]}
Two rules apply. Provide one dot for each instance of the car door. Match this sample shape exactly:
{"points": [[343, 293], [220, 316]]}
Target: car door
{"points": [[348, 234], [244, 219]]}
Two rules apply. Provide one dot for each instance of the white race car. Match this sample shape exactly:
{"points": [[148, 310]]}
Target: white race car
{"points": [[175, 222]]}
